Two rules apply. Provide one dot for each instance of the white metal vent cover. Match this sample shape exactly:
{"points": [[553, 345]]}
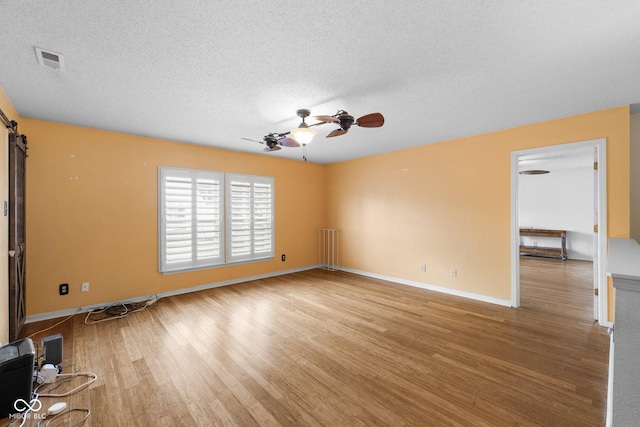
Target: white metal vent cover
{"points": [[50, 59]]}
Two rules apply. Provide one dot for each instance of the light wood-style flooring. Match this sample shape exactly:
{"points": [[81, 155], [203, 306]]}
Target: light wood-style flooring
{"points": [[322, 348]]}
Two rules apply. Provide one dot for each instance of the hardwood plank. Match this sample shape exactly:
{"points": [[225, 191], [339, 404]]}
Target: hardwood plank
{"points": [[324, 348]]}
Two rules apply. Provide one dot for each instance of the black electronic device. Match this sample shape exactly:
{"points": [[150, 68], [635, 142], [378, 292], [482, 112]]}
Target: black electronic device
{"points": [[16, 374], [52, 349]]}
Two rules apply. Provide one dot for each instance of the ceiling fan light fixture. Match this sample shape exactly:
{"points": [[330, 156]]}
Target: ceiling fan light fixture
{"points": [[303, 134], [534, 172]]}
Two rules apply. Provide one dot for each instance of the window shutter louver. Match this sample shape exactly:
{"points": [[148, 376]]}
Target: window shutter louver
{"points": [[250, 217], [190, 219], [262, 218], [177, 220], [208, 220]]}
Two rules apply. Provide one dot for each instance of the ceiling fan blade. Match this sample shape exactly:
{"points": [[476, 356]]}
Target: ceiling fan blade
{"points": [[275, 148], [336, 132], [327, 119], [288, 142], [373, 120], [252, 140]]}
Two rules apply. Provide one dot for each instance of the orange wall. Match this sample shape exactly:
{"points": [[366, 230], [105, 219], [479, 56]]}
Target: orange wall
{"points": [[92, 213], [92, 208], [447, 205]]}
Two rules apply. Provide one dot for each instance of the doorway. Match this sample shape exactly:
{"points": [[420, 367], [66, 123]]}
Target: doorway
{"points": [[566, 153], [4, 237]]}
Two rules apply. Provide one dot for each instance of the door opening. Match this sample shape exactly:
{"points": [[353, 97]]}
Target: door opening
{"points": [[593, 152]]}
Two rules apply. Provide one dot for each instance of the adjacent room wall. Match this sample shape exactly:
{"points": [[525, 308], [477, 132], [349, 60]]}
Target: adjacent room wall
{"points": [[92, 214], [560, 200], [447, 205]]}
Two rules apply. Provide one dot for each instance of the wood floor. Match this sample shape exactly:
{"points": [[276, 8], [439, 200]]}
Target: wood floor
{"points": [[323, 348]]}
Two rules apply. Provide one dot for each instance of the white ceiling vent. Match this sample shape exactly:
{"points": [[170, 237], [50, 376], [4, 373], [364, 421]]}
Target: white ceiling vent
{"points": [[50, 59]]}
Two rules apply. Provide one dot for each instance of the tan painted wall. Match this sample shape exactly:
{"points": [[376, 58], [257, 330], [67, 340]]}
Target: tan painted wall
{"points": [[447, 205], [92, 195], [10, 112], [92, 213]]}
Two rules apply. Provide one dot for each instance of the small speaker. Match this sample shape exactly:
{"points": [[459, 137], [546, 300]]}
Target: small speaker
{"points": [[52, 349]]}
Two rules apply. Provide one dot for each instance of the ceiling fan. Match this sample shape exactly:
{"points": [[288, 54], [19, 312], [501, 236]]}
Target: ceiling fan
{"points": [[302, 135], [274, 141], [345, 121]]}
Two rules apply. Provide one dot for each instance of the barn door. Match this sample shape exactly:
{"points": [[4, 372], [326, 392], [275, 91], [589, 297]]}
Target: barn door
{"points": [[16, 213]]}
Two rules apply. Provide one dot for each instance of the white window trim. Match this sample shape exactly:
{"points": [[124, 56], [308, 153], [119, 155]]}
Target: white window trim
{"points": [[225, 219]]}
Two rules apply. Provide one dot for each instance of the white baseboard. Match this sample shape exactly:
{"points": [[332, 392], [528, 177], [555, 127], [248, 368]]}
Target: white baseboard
{"points": [[477, 297], [84, 309], [580, 257]]}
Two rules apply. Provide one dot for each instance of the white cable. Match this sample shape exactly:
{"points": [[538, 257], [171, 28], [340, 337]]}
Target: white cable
{"points": [[88, 411], [93, 377], [125, 313], [51, 327]]}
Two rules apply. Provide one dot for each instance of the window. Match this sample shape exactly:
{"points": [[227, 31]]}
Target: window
{"points": [[191, 227], [192, 219], [249, 217]]}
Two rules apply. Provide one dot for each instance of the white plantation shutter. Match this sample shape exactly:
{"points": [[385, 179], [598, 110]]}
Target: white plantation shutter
{"points": [[190, 219], [250, 210], [196, 229]]}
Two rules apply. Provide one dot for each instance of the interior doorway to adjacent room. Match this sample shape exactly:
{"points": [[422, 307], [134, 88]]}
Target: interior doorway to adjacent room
{"points": [[584, 241]]}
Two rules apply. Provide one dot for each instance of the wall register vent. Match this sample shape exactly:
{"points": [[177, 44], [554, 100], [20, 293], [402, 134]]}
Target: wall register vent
{"points": [[50, 59]]}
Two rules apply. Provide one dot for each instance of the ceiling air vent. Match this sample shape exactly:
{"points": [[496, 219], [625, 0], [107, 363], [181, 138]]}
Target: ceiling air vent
{"points": [[50, 59]]}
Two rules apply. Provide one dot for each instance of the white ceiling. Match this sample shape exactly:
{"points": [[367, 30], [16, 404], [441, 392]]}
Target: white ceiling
{"points": [[211, 72]]}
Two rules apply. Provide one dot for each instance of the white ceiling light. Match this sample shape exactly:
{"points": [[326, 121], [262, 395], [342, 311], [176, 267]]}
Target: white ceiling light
{"points": [[303, 133]]}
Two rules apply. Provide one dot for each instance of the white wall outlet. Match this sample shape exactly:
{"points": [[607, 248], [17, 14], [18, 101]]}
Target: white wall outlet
{"points": [[85, 286], [454, 272], [423, 268]]}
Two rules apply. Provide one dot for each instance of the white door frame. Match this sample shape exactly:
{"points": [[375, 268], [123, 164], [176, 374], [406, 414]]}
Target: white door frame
{"points": [[601, 275]]}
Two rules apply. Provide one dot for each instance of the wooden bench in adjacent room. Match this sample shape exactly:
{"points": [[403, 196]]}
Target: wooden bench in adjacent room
{"points": [[551, 252]]}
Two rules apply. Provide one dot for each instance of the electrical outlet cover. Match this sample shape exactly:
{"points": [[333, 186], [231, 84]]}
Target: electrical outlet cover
{"points": [[63, 288]]}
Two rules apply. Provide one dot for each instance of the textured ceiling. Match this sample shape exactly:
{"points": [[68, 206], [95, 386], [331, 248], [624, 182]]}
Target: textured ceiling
{"points": [[211, 72]]}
